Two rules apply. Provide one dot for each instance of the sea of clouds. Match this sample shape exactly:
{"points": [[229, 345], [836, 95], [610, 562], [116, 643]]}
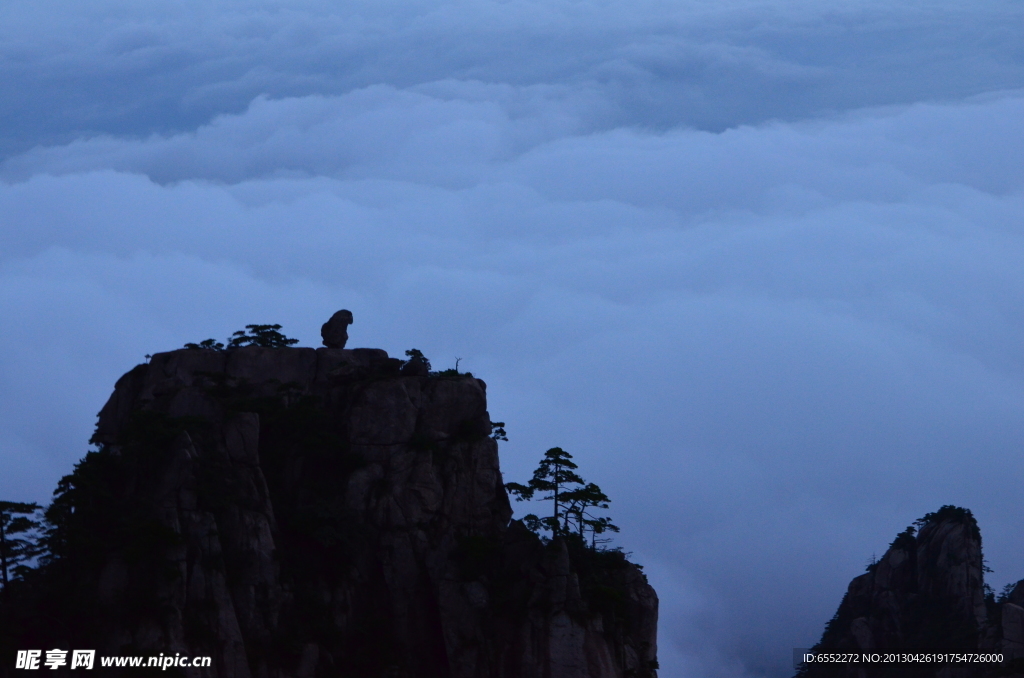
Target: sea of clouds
{"points": [[757, 265]]}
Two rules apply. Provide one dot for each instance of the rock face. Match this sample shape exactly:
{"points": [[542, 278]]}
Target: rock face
{"points": [[1007, 628], [306, 513], [335, 330], [926, 594]]}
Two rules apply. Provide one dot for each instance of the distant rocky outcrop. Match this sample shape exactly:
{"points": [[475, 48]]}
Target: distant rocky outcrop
{"points": [[927, 594], [301, 513]]}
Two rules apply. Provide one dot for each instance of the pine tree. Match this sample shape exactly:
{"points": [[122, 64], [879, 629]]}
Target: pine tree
{"points": [[573, 499], [266, 336], [18, 537], [578, 503]]}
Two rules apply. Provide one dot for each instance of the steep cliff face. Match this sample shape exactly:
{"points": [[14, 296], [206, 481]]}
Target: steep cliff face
{"points": [[295, 512], [1006, 628], [927, 593]]}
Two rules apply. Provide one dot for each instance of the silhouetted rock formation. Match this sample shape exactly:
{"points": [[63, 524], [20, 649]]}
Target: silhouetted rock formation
{"points": [[926, 594], [294, 512], [1006, 632], [335, 331]]}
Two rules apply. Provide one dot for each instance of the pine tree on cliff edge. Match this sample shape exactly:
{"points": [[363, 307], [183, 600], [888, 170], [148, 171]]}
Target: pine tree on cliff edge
{"points": [[572, 497], [17, 537]]}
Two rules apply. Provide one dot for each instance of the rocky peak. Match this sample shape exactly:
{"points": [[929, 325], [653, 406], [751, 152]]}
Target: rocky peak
{"points": [[299, 512], [927, 593]]}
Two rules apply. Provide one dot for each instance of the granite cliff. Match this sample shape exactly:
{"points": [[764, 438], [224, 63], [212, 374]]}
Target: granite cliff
{"points": [[927, 594], [301, 513]]}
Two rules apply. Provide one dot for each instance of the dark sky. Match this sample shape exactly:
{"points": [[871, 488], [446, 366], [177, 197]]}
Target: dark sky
{"points": [[757, 265]]}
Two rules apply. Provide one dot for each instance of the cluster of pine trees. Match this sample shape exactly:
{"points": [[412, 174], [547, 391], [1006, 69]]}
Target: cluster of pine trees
{"points": [[574, 499], [20, 539]]}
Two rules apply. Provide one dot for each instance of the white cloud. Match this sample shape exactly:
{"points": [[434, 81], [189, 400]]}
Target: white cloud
{"points": [[774, 346], [124, 67]]}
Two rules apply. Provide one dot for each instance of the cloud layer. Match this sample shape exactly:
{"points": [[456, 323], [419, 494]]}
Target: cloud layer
{"points": [[774, 336], [123, 67]]}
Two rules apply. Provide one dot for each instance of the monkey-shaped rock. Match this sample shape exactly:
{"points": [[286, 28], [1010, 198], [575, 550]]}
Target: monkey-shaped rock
{"points": [[335, 330]]}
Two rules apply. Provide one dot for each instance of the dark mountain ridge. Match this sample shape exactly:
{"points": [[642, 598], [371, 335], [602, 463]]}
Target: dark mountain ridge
{"points": [[299, 512], [927, 594]]}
